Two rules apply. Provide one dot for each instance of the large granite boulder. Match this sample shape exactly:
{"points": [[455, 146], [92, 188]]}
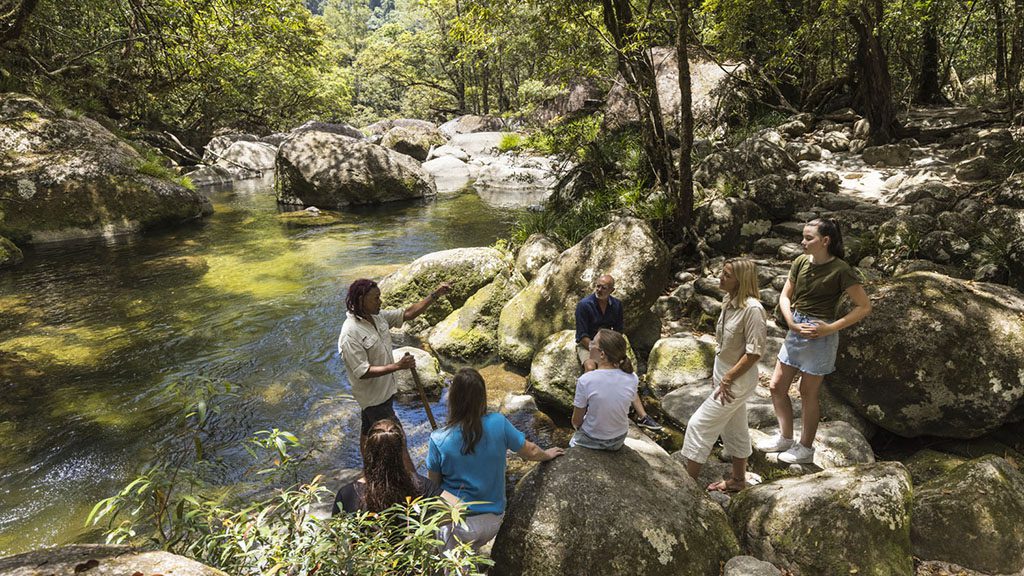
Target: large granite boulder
{"points": [[634, 511], [330, 128], [679, 361], [516, 172], [101, 560], [755, 157], [469, 124], [628, 249], [719, 92], [10, 255], [836, 445], [938, 356], [450, 174], [471, 332], [427, 368], [382, 126], [972, 516], [243, 159], [555, 369], [535, 252], [477, 143], [63, 177], [467, 270], [852, 520], [415, 141], [333, 171], [732, 225]]}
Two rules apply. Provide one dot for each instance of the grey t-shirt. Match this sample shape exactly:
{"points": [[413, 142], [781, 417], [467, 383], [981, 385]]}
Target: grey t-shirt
{"points": [[607, 395]]}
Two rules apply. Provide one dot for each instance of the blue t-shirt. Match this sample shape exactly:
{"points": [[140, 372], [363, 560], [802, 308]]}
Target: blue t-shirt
{"points": [[480, 476], [589, 318]]}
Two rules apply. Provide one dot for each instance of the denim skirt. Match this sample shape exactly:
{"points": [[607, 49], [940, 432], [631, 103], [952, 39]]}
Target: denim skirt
{"points": [[815, 356]]}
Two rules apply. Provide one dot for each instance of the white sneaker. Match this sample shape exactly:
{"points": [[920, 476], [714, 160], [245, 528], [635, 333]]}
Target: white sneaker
{"points": [[777, 443], [797, 454]]}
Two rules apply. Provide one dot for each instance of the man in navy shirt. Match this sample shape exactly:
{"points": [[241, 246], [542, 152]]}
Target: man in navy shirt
{"points": [[602, 310]]}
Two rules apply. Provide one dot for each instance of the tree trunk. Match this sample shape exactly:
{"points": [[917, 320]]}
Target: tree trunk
{"points": [[14, 19], [1013, 70], [684, 193], [997, 11], [809, 68], [928, 90], [633, 60], [872, 95]]}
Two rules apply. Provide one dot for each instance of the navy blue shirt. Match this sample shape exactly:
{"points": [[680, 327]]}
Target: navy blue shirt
{"points": [[589, 318]]}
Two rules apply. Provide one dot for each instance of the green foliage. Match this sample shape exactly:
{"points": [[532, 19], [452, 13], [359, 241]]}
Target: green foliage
{"points": [[175, 505], [155, 165], [510, 142]]}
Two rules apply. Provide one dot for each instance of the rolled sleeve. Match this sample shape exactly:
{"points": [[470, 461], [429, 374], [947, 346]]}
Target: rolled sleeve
{"points": [[755, 330], [514, 439], [433, 457], [582, 325], [580, 399], [354, 356]]}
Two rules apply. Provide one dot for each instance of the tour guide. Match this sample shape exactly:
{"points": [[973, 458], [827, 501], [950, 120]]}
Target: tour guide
{"points": [[365, 348]]}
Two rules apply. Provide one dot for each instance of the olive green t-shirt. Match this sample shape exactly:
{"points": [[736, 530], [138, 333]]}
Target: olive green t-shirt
{"points": [[817, 288]]}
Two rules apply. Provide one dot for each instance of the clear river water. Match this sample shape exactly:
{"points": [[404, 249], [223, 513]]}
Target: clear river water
{"points": [[91, 335]]}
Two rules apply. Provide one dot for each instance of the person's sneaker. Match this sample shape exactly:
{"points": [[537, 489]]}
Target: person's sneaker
{"points": [[797, 454], [777, 443], [649, 423]]}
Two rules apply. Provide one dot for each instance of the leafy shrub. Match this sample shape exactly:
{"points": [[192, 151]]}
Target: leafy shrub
{"points": [[174, 505]]}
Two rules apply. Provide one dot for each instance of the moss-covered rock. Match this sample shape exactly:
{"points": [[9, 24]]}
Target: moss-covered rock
{"points": [[853, 520], [415, 141], [428, 369], [537, 251], [836, 445], [938, 356], [679, 361], [328, 170], [628, 249], [10, 255], [926, 465], [634, 511], [471, 332], [467, 270], [65, 177], [972, 516], [732, 225], [555, 369]]}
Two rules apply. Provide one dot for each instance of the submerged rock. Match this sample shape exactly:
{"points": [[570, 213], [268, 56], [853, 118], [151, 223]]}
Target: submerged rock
{"points": [[634, 511], [972, 516], [628, 249], [310, 217], [10, 255], [66, 177], [333, 171], [853, 520], [965, 345]]}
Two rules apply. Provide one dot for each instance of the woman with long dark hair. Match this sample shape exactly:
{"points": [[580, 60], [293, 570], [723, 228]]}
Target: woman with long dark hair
{"points": [[600, 408], [386, 480], [467, 458], [809, 301]]}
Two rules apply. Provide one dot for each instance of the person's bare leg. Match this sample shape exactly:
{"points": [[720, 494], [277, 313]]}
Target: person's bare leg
{"points": [[638, 407], [810, 388], [782, 379], [693, 468], [739, 474]]}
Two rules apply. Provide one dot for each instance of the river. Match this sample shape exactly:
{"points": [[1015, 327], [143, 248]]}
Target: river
{"points": [[93, 333]]}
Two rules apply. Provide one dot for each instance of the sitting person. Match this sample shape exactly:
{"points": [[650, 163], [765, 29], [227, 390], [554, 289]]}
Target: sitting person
{"points": [[742, 333], [594, 312], [386, 481], [467, 458], [600, 410]]}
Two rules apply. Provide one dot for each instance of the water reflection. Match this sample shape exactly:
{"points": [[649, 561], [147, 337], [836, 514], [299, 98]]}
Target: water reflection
{"points": [[91, 333]]}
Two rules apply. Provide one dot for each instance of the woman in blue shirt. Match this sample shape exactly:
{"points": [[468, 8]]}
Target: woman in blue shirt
{"points": [[467, 458]]}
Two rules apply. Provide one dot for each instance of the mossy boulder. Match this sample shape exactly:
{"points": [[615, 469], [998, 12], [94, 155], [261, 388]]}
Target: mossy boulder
{"points": [[535, 252], [555, 369], [64, 177], [428, 369], [10, 255], [938, 356], [628, 249], [679, 361], [732, 225], [853, 520], [415, 141], [926, 465], [329, 170], [471, 332], [467, 270], [972, 516], [634, 511], [836, 445]]}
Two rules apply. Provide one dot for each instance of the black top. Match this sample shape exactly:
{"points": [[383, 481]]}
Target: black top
{"points": [[350, 497], [590, 319]]}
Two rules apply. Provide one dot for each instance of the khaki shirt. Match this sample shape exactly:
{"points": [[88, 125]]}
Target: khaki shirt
{"points": [[363, 344], [741, 331]]}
